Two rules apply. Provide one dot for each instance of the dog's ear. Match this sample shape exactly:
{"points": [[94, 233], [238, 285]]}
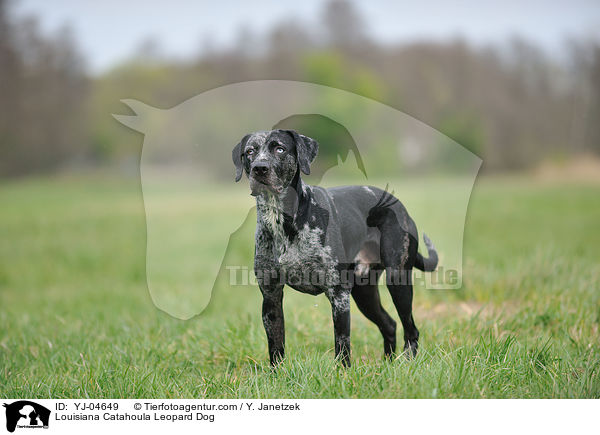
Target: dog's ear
{"points": [[306, 150], [238, 157]]}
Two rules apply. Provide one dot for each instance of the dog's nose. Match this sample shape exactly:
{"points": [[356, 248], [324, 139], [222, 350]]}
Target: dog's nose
{"points": [[260, 169]]}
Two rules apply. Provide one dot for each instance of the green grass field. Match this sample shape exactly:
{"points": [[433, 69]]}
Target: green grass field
{"points": [[76, 319]]}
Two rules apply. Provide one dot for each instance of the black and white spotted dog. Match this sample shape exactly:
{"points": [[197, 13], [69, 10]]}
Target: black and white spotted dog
{"points": [[335, 241]]}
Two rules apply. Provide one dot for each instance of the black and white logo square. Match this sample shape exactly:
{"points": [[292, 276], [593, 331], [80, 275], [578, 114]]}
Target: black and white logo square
{"points": [[26, 414]]}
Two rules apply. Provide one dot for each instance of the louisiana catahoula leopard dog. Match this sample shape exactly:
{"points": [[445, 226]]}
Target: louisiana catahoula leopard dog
{"points": [[336, 241]]}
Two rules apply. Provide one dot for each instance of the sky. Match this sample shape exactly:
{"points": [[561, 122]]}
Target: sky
{"points": [[110, 31]]}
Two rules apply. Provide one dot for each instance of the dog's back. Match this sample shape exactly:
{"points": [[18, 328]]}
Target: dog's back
{"points": [[360, 213]]}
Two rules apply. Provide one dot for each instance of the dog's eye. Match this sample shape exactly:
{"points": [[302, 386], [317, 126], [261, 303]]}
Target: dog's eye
{"points": [[249, 151], [279, 150]]}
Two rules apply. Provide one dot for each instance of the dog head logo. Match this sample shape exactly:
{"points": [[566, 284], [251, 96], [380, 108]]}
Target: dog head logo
{"points": [[192, 221], [26, 414]]}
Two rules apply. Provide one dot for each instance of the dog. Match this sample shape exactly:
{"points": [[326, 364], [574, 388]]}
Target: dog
{"points": [[336, 241]]}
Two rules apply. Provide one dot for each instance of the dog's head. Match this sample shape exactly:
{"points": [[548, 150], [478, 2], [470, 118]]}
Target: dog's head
{"points": [[271, 159]]}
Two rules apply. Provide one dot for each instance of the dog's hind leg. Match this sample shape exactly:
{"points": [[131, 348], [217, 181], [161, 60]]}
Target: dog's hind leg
{"points": [[366, 296], [398, 251], [402, 295]]}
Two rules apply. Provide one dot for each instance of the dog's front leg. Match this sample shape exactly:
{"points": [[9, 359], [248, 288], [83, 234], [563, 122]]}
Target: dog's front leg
{"points": [[272, 315], [339, 298]]}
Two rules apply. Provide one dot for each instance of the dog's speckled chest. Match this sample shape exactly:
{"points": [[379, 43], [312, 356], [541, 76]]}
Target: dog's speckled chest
{"points": [[307, 264]]}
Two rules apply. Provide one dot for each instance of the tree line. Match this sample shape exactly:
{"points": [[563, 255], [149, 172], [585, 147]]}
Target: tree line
{"points": [[514, 105]]}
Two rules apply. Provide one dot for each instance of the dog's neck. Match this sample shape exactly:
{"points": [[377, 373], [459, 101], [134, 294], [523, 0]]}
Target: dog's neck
{"points": [[277, 212]]}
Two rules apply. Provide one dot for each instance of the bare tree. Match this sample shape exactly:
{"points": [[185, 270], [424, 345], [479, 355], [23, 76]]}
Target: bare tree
{"points": [[44, 97], [344, 25]]}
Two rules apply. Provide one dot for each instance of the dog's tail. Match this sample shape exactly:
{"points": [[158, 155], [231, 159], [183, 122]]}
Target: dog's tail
{"points": [[382, 208], [427, 264]]}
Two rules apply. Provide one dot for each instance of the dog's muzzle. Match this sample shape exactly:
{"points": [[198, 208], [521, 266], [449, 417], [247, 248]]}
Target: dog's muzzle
{"points": [[260, 179], [260, 170]]}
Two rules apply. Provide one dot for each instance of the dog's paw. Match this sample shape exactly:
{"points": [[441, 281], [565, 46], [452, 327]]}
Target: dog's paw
{"points": [[410, 349]]}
